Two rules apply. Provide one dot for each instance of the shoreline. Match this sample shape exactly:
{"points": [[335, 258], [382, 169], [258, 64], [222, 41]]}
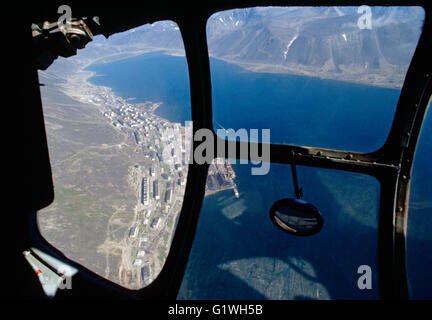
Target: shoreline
{"points": [[362, 79], [80, 78], [372, 79], [77, 86]]}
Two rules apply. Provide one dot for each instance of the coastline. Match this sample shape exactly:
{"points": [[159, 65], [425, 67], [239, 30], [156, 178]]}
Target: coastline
{"points": [[77, 84], [373, 80], [384, 80], [78, 87]]}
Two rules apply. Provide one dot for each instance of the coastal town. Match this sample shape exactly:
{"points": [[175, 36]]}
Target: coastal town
{"points": [[158, 180]]}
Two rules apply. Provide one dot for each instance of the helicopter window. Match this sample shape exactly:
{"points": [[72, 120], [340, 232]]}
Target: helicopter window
{"points": [[115, 119], [419, 238], [326, 77], [238, 253]]}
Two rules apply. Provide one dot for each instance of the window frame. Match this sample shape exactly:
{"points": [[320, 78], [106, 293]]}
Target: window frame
{"points": [[391, 164]]}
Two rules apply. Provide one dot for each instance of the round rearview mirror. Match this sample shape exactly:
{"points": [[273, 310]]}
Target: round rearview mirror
{"points": [[296, 217]]}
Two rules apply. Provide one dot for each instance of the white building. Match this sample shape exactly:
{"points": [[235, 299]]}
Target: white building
{"points": [[137, 263]]}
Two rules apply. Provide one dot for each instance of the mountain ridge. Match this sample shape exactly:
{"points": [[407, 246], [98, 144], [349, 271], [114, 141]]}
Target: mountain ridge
{"points": [[324, 42]]}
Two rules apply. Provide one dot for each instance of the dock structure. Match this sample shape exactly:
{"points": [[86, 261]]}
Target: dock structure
{"points": [[236, 193], [230, 170]]}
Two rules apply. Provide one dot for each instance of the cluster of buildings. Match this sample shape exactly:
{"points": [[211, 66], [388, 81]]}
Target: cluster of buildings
{"points": [[165, 147]]}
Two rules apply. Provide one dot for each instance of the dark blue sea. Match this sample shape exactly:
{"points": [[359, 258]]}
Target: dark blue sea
{"points": [[238, 253], [298, 110]]}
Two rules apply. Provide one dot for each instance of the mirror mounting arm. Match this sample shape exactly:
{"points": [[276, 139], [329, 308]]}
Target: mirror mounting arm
{"points": [[298, 191]]}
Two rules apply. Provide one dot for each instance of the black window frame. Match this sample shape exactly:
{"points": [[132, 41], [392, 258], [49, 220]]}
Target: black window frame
{"points": [[391, 164]]}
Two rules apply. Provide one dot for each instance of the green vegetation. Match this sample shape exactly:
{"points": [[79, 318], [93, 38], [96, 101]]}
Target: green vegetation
{"points": [[165, 237], [169, 222], [79, 205], [162, 256]]}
